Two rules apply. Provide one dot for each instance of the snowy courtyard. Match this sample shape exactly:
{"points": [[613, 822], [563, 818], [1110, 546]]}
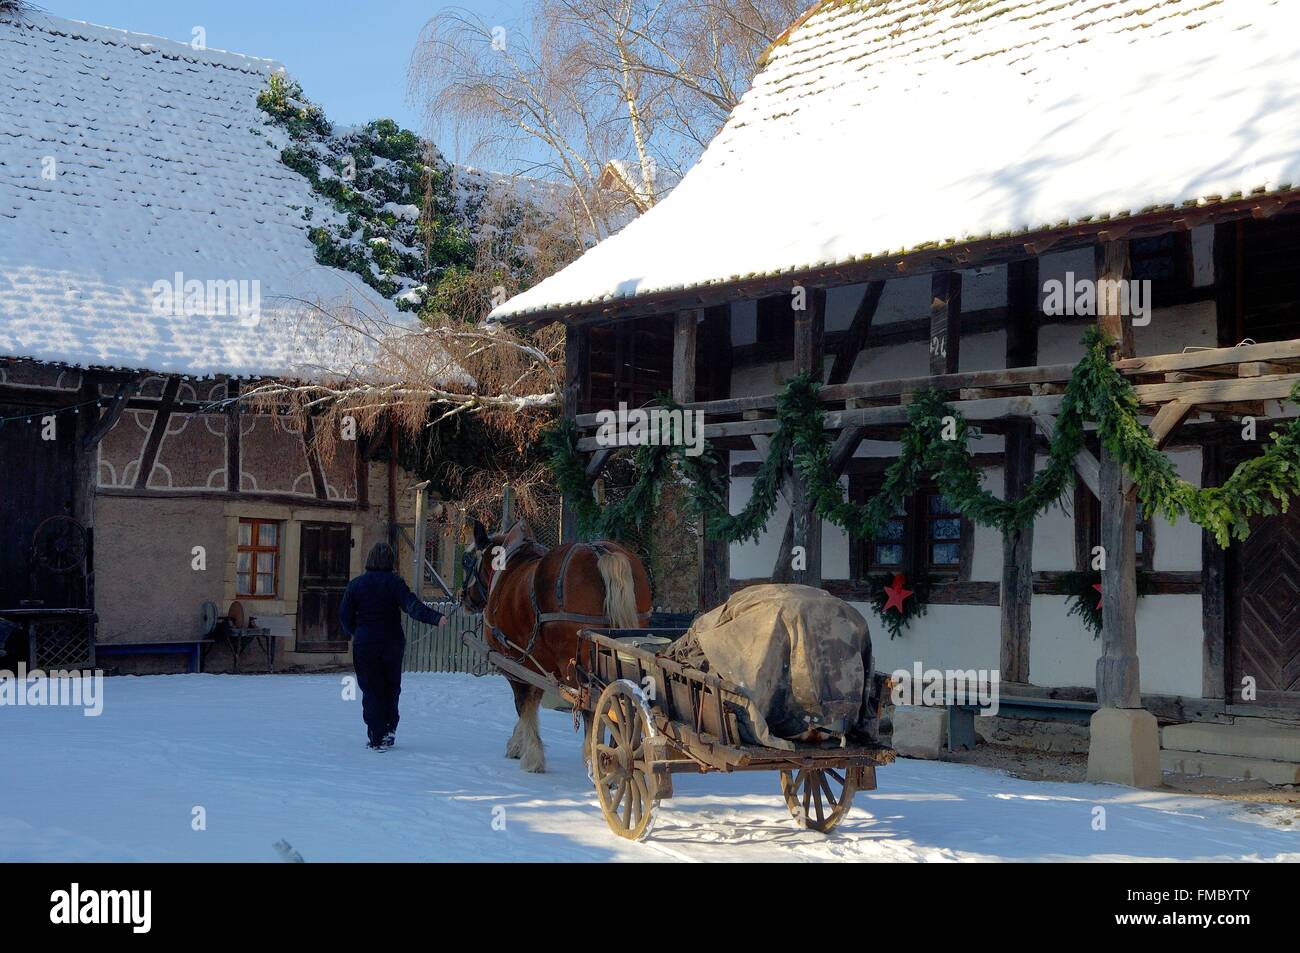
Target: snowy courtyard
{"points": [[282, 758]]}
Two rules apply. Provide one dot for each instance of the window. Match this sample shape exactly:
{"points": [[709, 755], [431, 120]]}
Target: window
{"points": [[1087, 530], [775, 322], [1165, 261], [927, 536], [257, 569]]}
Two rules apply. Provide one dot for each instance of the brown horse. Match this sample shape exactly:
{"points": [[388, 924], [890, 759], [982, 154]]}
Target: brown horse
{"points": [[535, 600]]}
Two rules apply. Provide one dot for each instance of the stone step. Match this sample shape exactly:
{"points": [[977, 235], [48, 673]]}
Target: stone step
{"points": [[1200, 764], [1243, 739]]}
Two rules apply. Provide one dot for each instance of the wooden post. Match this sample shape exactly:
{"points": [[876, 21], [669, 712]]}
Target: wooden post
{"points": [[714, 554], [945, 322], [1117, 669], [806, 525], [1214, 596], [417, 562], [1018, 471], [577, 369], [685, 329]]}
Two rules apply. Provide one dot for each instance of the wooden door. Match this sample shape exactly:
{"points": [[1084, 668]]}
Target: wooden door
{"points": [[325, 557], [1265, 628], [39, 480]]}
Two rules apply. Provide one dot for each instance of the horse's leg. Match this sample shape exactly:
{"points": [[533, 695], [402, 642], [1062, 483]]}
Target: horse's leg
{"points": [[532, 756], [514, 746]]}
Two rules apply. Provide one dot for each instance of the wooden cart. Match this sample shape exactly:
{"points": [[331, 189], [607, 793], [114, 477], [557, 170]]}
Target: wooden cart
{"points": [[654, 718]]}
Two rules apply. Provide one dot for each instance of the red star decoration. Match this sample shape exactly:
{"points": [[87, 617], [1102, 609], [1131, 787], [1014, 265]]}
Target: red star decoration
{"points": [[1097, 586], [895, 594]]}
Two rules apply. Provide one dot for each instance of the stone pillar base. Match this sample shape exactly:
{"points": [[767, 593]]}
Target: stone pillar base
{"points": [[1124, 747]]}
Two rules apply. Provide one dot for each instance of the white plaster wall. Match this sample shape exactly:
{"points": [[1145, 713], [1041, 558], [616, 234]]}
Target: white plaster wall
{"points": [[945, 637], [1062, 652]]}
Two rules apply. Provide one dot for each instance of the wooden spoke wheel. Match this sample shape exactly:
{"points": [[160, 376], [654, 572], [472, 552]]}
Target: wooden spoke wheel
{"points": [[819, 798], [622, 760]]}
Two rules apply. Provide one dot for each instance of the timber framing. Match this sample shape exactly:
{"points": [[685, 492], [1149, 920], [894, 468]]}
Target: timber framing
{"points": [[1201, 383]]}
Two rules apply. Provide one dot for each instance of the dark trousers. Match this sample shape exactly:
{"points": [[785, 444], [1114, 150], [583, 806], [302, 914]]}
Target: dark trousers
{"points": [[379, 673]]}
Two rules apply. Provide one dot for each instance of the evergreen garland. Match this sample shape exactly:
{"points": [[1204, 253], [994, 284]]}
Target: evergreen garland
{"points": [[935, 444]]}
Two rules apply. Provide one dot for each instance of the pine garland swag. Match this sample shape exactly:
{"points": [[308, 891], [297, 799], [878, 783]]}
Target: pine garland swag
{"points": [[1096, 392]]}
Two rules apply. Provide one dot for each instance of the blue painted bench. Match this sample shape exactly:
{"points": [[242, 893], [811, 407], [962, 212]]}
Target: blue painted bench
{"points": [[961, 718], [194, 649]]}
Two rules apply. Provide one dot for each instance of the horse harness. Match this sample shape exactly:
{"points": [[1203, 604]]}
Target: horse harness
{"points": [[541, 618]]}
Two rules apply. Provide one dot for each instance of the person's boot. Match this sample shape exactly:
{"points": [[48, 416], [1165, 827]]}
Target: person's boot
{"points": [[376, 743], [390, 739]]}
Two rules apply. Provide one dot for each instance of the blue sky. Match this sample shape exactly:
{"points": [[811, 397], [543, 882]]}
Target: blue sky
{"points": [[350, 56]]}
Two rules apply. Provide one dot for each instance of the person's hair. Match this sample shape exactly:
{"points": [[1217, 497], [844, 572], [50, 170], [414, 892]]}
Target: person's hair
{"points": [[381, 558]]}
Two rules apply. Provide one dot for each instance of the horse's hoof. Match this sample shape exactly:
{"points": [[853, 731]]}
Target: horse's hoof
{"points": [[537, 766]]}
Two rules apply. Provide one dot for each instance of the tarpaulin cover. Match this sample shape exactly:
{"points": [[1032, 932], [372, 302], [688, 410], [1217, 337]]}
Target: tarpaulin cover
{"points": [[802, 657]]}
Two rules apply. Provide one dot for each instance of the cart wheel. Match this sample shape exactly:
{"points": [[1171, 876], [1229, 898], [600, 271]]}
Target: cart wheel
{"points": [[622, 760], [819, 798]]}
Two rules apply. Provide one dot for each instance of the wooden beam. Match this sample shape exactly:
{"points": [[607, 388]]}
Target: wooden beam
{"points": [[685, 332], [577, 370], [846, 353], [945, 322], [1113, 266], [99, 430], [806, 525], [1214, 588], [1118, 682], [1118, 678], [1087, 465], [234, 431], [313, 458], [156, 433], [1017, 590], [1167, 419]]}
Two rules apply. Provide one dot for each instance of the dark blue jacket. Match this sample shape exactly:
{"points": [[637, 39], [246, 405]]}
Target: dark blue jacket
{"points": [[373, 604]]}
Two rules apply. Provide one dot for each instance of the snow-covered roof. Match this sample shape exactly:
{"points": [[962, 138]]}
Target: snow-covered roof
{"points": [[880, 127], [130, 165]]}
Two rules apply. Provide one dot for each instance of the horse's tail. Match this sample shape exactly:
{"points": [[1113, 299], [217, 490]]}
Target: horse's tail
{"points": [[620, 588]]}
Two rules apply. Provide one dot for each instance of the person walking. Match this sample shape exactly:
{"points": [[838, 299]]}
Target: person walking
{"points": [[370, 615]]}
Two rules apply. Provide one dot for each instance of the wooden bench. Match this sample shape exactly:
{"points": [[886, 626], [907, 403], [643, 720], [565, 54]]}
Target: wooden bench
{"points": [[194, 649], [961, 718]]}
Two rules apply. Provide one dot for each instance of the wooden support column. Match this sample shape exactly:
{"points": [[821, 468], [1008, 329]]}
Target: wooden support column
{"points": [[1214, 592], [806, 525], [685, 333], [714, 554], [1018, 472], [1118, 683], [945, 322], [577, 369]]}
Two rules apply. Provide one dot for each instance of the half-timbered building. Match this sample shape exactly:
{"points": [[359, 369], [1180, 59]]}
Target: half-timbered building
{"points": [[927, 174], [154, 258]]}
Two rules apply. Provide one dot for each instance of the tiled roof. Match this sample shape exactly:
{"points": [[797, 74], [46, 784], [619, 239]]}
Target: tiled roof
{"points": [[880, 127], [127, 160]]}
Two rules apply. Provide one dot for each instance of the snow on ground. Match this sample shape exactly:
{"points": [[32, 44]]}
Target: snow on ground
{"points": [[275, 758]]}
